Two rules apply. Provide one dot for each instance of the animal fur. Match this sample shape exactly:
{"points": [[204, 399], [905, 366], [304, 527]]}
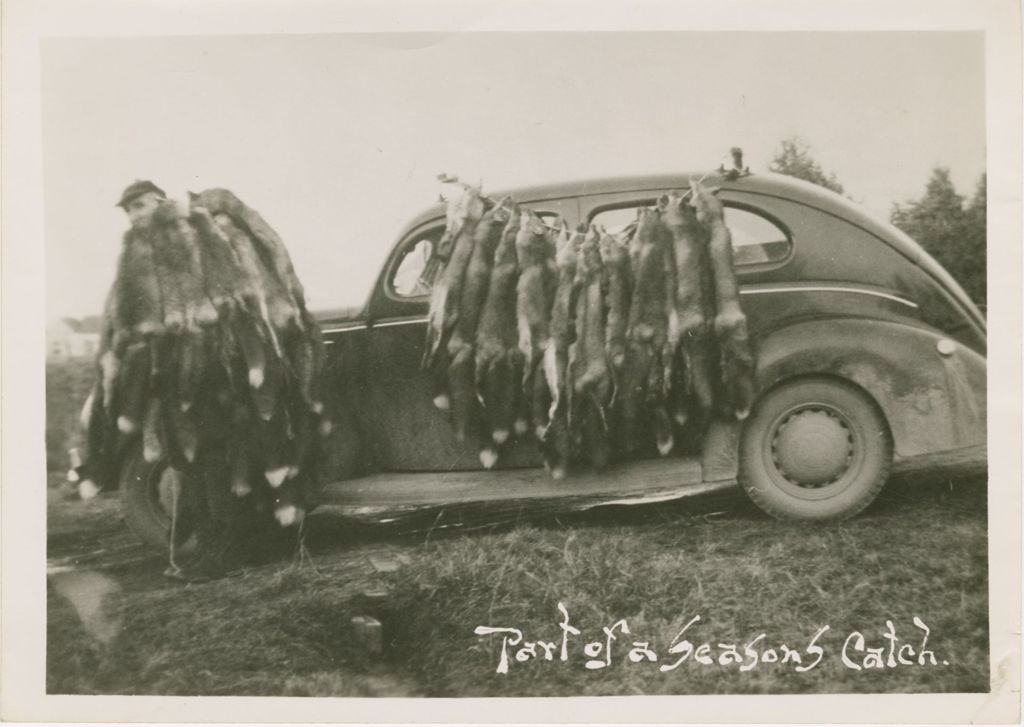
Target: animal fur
{"points": [[730, 323], [689, 340], [267, 242], [592, 384], [557, 437], [178, 272], [207, 319], [534, 296], [461, 378], [647, 331], [499, 361], [446, 290]]}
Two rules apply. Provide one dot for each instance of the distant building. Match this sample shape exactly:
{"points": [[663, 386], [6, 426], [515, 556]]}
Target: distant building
{"points": [[69, 338]]}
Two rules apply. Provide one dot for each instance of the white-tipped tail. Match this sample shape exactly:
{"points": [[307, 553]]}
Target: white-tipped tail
{"points": [[500, 436], [86, 414], [488, 458], [442, 402], [742, 414], [255, 377], [289, 515], [539, 431], [173, 320], [151, 454], [73, 475], [276, 477], [665, 446], [558, 473], [125, 425], [87, 489], [318, 407], [550, 363]]}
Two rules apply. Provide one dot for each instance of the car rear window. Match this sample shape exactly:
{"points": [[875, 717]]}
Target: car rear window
{"points": [[756, 239]]}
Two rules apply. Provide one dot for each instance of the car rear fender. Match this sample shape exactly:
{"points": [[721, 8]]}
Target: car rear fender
{"points": [[931, 390]]}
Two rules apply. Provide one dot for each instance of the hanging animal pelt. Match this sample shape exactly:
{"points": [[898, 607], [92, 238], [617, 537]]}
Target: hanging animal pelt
{"points": [[591, 372], [446, 273], [535, 293], [461, 376], [690, 355], [557, 438], [644, 400], [730, 324], [595, 345], [208, 351], [499, 362]]}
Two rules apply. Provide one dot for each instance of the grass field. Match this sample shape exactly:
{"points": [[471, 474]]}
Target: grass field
{"points": [[67, 386], [283, 629]]}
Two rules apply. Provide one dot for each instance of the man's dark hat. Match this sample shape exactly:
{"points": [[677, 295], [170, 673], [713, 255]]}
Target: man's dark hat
{"points": [[136, 189]]}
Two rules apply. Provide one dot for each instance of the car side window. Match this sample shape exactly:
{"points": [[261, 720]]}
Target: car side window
{"points": [[406, 280], [755, 239]]}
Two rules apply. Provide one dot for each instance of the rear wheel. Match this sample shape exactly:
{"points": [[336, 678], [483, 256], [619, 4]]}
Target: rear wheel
{"points": [[815, 449]]}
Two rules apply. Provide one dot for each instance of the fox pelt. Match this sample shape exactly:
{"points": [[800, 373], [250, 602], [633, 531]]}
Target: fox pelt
{"points": [[207, 346]]}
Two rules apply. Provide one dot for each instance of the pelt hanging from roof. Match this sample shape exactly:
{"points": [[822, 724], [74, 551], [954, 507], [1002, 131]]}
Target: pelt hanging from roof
{"points": [[207, 347], [602, 342]]}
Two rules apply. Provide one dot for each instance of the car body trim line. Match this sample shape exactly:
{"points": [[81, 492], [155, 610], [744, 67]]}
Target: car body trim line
{"points": [[829, 289], [744, 291], [403, 322], [340, 329]]}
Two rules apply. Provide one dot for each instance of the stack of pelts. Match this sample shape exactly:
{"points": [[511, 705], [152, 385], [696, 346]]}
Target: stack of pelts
{"points": [[210, 356], [597, 345], [687, 353]]}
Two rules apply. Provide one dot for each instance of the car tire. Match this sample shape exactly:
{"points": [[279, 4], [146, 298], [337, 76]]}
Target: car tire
{"points": [[147, 503], [814, 449]]}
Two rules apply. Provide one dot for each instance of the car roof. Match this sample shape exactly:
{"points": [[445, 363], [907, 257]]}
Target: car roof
{"points": [[763, 183]]}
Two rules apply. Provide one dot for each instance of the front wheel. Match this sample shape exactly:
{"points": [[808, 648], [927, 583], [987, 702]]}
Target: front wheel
{"points": [[149, 494], [814, 449]]}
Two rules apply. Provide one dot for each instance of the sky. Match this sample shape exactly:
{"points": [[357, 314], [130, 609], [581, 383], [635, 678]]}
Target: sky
{"points": [[337, 139]]}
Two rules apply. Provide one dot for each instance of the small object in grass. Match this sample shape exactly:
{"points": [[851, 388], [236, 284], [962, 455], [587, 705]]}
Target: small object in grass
{"points": [[383, 564], [200, 572], [368, 633]]}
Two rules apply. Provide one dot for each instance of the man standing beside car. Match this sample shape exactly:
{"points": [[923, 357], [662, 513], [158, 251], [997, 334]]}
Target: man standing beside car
{"points": [[199, 505]]}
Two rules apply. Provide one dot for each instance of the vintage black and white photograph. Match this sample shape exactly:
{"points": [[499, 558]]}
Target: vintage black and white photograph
{"points": [[516, 364]]}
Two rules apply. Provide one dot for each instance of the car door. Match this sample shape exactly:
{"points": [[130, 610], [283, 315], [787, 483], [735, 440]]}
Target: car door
{"points": [[409, 432]]}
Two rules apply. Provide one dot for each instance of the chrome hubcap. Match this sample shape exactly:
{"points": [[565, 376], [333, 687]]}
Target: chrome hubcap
{"points": [[812, 446]]}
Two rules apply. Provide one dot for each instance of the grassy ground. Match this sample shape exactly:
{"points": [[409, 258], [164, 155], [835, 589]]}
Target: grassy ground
{"points": [[277, 629], [67, 386]]}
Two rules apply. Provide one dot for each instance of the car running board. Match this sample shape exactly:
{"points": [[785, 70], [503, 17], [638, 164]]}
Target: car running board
{"points": [[392, 494]]}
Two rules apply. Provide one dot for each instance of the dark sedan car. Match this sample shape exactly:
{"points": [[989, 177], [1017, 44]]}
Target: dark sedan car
{"points": [[869, 356]]}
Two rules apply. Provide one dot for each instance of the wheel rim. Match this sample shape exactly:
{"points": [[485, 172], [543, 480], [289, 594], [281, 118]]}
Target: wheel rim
{"points": [[813, 451], [161, 482], [158, 492]]}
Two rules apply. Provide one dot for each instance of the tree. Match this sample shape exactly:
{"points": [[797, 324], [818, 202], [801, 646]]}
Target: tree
{"points": [[950, 228], [794, 158]]}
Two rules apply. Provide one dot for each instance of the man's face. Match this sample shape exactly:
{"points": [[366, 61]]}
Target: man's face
{"points": [[141, 208]]}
